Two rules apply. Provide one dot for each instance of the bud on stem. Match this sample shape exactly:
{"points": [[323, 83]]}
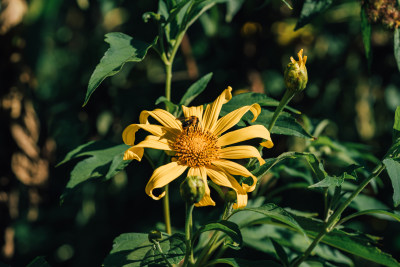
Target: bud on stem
{"points": [[192, 189], [296, 74]]}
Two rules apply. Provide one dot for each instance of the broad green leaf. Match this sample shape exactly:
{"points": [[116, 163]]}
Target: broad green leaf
{"points": [[386, 215], [103, 159], [311, 9], [38, 262], [353, 243], [270, 210], [195, 89], [397, 46], [333, 180], [229, 228], [366, 35], [280, 252], [393, 169], [134, 250], [244, 263], [123, 48]]}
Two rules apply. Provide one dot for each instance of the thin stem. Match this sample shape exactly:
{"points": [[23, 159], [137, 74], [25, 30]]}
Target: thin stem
{"points": [[162, 253], [189, 260], [282, 104], [331, 223], [167, 217]]}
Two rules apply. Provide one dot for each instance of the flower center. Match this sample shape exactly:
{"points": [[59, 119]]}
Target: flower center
{"points": [[195, 147]]}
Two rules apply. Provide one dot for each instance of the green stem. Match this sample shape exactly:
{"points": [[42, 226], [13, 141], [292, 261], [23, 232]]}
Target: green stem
{"points": [[162, 254], [167, 217], [284, 101], [189, 260], [331, 223]]}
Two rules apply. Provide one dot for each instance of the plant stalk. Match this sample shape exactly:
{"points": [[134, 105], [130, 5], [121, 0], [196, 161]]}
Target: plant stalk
{"points": [[331, 223], [189, 260]]}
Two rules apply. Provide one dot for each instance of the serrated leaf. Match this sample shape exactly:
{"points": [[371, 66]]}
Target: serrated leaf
{"points": [[353, 242], [38, 262], [134, 250], [231, 229], [195, 89], [104, 159], [366, 35], [333, 181], [244, 263], [311, 9], [393, 169], [396, 46], [123, 49], [270, 210]]}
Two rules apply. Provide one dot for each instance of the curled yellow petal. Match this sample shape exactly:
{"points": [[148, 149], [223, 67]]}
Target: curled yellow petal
{"points": [[151, 141], [128, 135], [206, 200], [236, 169], [240, 152], [220, 177], [164, 117], [232, 118], [212, 111], [135, 153], [247, 133], [162, 176]]}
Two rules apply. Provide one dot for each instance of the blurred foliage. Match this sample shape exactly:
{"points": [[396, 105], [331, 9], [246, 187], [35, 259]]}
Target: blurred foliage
{"points": [[52, 53]]}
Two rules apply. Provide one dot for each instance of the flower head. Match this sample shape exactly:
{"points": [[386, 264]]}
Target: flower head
{"points": [[296, 76], [200, 146]]}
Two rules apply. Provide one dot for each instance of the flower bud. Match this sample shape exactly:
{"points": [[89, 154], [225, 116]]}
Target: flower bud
{"points": [[192, 189], [154, 236], [230, 196], [296, 74]]}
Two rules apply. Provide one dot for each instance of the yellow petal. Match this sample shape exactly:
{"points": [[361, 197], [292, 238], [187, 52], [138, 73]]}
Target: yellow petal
{"points": [[151, 141], [222, 178], [240, 152], [128, 135], [250, 132], [236, 169], [212, 111], [206, 200], [232, 118], [162, 176], [164, 117], [135, 153], [193, 111]]}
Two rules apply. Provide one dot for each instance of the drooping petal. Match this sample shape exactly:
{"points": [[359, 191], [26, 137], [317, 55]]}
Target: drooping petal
{"points": [[193, 111], [236, 169], [220, 177], [151, 141], [206, 200], [162, 116], [135, 153], [240, 152], [232, 118], [212, 111], [162, 176], [247, 133], [128, 135]]}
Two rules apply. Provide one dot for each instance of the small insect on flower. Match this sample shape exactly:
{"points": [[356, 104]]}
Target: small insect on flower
{"points": [[189, 121]]}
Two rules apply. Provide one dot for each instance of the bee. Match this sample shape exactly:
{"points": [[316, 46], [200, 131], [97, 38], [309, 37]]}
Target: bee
{"points": [[189, 121]]}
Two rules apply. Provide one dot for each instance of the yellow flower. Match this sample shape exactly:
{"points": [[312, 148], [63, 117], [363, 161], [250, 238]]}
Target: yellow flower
{"points": [[201, 148]]}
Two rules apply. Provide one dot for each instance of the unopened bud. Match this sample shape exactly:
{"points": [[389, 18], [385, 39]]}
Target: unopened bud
{"points": [[230, 196], [296, 73], [154, 236], [192, 189]]}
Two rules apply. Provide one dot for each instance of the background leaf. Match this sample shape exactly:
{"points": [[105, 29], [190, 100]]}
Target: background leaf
{"points": [[195, 89], [366, 35], [134, 250], [123, 48], [39, 262], [393, 169], [396, 46], [311, 9], [229, 228]]}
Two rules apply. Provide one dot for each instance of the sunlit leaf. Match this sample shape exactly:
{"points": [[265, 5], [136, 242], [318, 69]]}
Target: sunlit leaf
{"points": [[393, 169], [195, 89], [123, 49], [134, 250], [333, 180], [311, 9]]}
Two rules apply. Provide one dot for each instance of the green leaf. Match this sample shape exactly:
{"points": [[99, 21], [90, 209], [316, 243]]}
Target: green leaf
{"points": [[280, 252], [39, 262], [333, 181], [311, 9], [386, 215], [104, 159], [195, 89], [393, 169], [171, 106], [232, 7], [270, 210], [199, 8], [397, 46], [366, 35], [229, 228], [123, 48], [134, 250], [396, 125], [244, 263], [352, 242]]}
